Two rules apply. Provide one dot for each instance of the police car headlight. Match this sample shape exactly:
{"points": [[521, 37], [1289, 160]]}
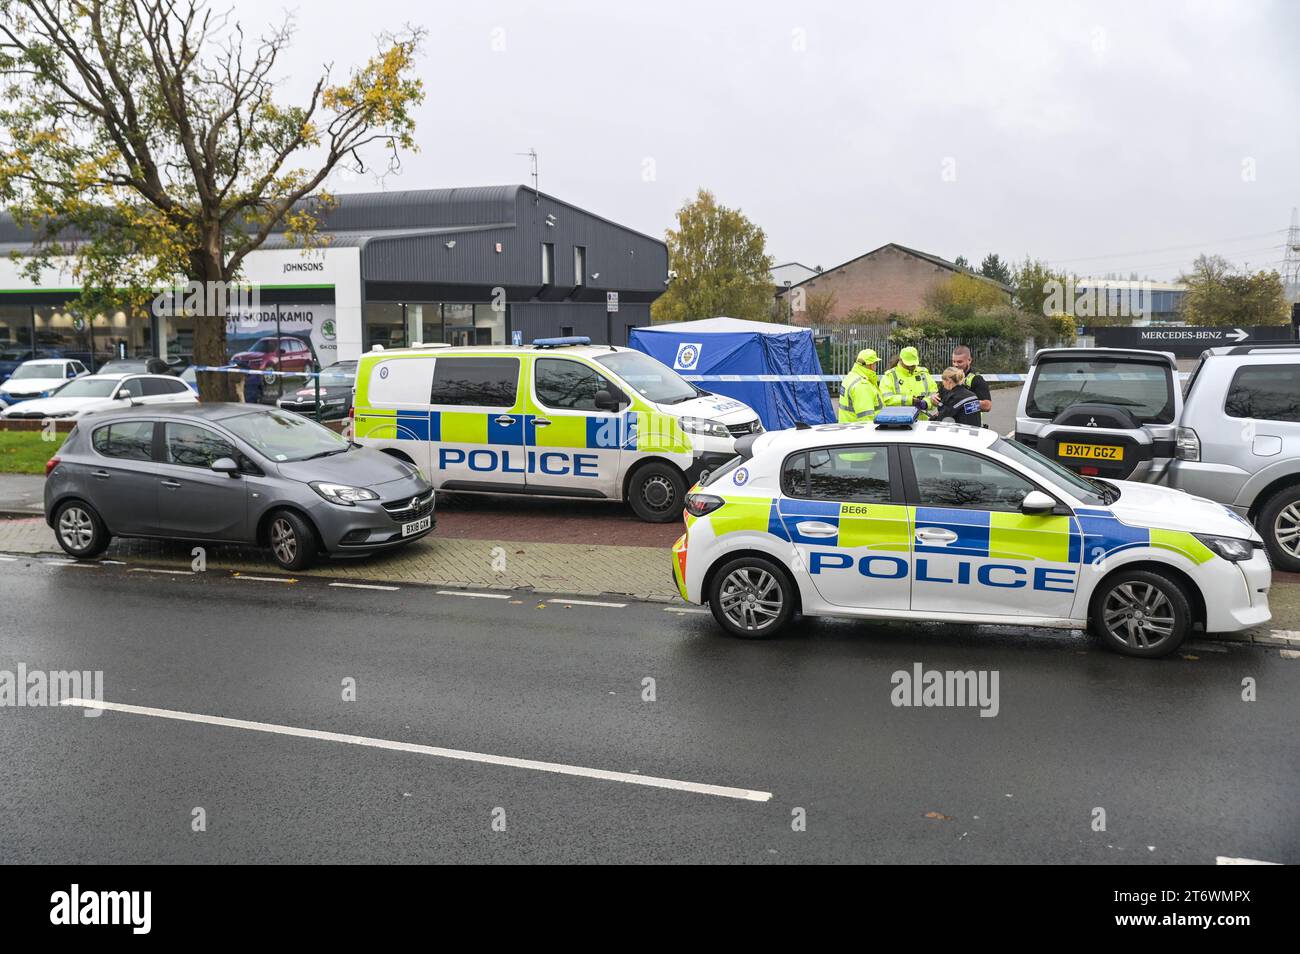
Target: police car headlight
{"points": [[1230, 548], [705, 428], [343, 494]]}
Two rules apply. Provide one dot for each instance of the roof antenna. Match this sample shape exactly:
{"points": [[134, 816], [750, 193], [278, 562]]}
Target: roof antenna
{"points": [[532, 156]]}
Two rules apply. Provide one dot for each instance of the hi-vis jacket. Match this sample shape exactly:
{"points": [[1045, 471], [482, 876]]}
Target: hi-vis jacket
{"points": [[860, 397], [899, 386]]}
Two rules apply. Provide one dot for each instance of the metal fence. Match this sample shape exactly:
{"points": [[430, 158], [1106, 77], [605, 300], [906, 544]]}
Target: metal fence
{"points": [[838, 347]]}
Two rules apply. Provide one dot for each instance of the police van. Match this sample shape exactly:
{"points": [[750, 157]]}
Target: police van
{"points": [[561, 417], [940, 522]]}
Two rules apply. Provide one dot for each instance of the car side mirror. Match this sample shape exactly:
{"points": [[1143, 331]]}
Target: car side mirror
{"points": [[227, 466], [606, 401], [122, 395], [1037, 504]]}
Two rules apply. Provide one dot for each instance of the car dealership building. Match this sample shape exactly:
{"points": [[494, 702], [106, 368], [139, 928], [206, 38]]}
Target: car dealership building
{"points": [[486, 265]]}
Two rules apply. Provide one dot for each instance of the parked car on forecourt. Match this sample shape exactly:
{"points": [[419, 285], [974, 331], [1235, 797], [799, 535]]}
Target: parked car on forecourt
{"points": [[336, 383], [1233, 438], [38, 378], [11, 358], [148, 365], [285, 353], [235, 473], [101, 392]]}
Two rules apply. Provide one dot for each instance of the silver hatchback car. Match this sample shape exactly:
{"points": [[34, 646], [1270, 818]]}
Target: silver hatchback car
{"points": [[231, 473]]}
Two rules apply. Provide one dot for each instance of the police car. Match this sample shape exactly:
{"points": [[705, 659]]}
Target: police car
{"points": [[561, 418], [940, 522]]}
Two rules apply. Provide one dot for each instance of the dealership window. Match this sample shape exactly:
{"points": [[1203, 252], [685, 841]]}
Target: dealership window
{"points": [[385, 325], [579, 265], [458, 324], [15, 327], [548, 263], [91, 339], [489, 325]]}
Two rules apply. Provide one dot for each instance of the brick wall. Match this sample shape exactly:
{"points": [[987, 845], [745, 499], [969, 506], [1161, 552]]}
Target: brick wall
{"points": [[888, 279]]}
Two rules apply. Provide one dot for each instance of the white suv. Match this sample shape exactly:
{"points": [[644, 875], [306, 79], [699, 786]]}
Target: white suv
{"points": [[1239, 440]]}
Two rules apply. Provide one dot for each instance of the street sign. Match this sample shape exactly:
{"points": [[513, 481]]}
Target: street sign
{"points": [[611, 302], [1187, 342]]}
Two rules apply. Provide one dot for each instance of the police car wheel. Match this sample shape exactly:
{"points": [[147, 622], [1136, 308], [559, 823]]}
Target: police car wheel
{"points": [[751, 597], [657, 493], [293, 542], [1141, 613], [1279, 525], [80, 530]]}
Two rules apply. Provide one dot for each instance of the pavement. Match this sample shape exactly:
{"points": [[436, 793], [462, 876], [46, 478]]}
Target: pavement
{"points": [[517, 730]]}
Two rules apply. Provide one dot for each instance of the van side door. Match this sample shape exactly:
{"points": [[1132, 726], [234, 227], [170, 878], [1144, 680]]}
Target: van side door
{"points": [[476, 423], [574, 446]]}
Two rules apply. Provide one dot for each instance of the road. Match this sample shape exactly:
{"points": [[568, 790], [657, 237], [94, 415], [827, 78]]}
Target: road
{"points": [[1184, 769]]}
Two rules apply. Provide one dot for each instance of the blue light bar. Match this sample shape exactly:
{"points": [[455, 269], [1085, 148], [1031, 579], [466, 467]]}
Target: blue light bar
{"points": [[896, 417], [561, 342]]}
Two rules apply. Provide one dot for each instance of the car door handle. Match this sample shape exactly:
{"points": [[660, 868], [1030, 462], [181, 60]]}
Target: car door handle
{"points": [[101, 475], [541, 422], [171, 484], [505, 420], [815, 528], [935, 535]]}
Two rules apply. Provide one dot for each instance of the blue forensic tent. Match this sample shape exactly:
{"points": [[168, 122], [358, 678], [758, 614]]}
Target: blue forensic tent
{"points": [[750, 354]]}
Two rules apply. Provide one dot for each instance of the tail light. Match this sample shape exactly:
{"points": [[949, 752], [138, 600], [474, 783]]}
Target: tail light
{"points": [[1187, 444], [51, 464], [697, 505]]}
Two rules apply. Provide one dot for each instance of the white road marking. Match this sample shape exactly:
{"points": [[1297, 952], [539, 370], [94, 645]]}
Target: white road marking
{"points": [[683, 609], [149, 569], [1224, 860], [113, 562], [59, 562], [1289, 653], [481, 596], [556, 768], [365, 586], [1290, 635], [9, 559], [266, 579], [585, 603]]}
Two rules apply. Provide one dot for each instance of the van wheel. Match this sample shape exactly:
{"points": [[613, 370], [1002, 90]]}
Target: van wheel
{"points": [[80, 530], [1141, 613], [293, 542], [1279, 524], [657, 492], [751, 597]]}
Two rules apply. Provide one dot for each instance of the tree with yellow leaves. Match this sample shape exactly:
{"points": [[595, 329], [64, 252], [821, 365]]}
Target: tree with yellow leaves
{"points": [[144, 141]]}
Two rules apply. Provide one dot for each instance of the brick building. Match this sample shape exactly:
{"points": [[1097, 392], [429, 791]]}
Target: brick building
{"points": [[891, 279]]}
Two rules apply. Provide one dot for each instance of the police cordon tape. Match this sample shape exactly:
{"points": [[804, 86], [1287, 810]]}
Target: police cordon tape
{"points": [[765, 378], [267, 373]]}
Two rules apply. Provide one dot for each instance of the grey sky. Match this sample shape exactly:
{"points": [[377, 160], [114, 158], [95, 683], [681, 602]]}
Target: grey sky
{"points": [[1101, 136]]}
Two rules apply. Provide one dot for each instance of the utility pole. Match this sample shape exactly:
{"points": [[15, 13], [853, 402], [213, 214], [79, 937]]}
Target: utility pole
{"points": [[1291, 263]]}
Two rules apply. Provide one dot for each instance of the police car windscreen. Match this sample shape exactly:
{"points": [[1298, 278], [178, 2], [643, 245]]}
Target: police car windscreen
{"points": [[654, 381], [1143, 388]]}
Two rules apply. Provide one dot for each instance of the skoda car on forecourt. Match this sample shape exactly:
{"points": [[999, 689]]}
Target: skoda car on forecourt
{"points": [[561, 418], [939, 522]]}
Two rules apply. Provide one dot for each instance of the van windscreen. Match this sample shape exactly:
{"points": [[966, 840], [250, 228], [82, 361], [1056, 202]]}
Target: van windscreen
{"points": [[1143, 388]]}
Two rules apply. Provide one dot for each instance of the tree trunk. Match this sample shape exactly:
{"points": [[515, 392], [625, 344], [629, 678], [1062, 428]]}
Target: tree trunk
{"points": [[210, 329]]}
